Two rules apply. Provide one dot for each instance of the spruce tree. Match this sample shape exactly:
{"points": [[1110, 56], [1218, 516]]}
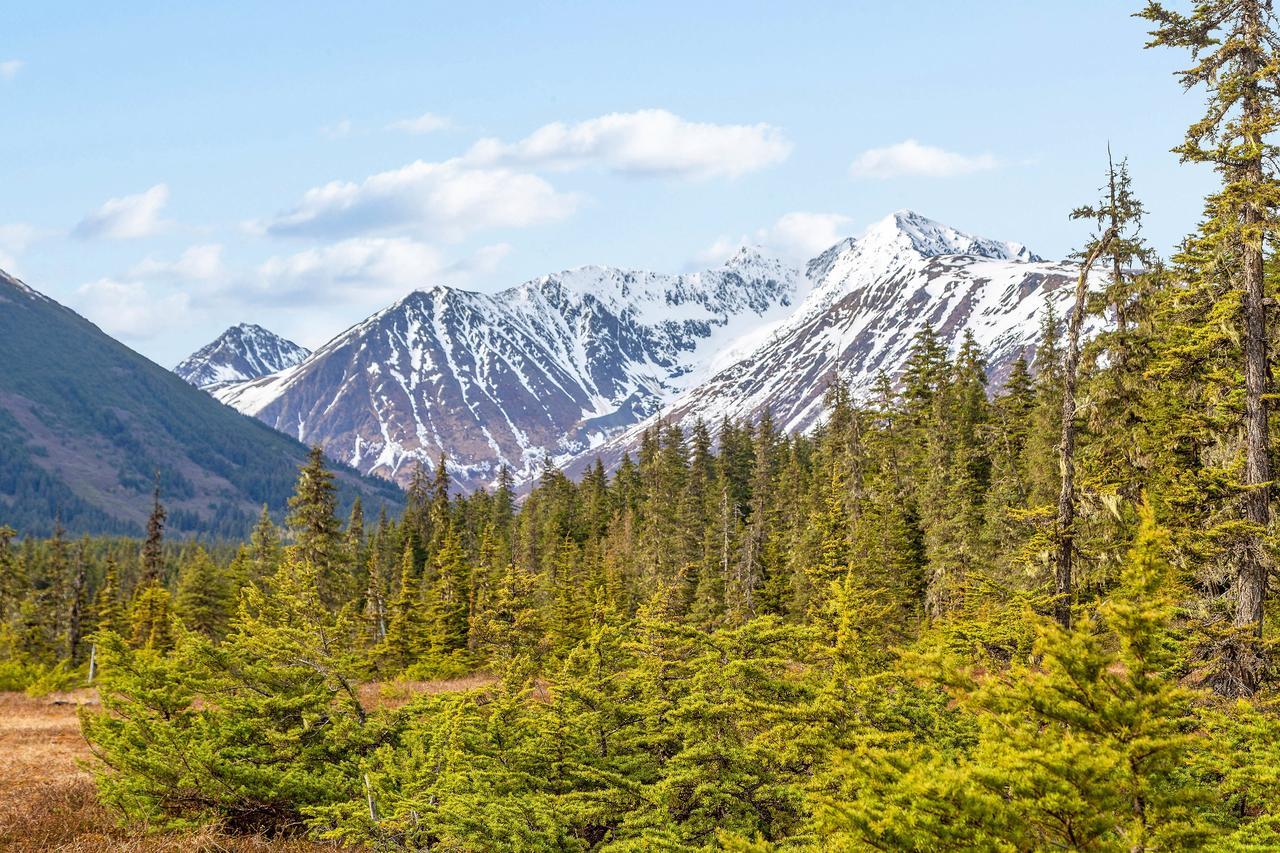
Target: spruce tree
{"points": [[151, 619], [204, 600], [108, 610], [316, 532], [1235, 48], [153, 547]]}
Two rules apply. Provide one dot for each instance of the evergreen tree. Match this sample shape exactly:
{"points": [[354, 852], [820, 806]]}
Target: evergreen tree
{"points": [[151, 619], [152, 548], [407, 630], [204, 600], [314, 523], [108, 610], [1235, 47]]}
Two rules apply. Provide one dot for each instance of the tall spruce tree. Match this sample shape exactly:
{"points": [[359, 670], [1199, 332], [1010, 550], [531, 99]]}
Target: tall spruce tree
{"points": [[1235, 50], [153, 547], [317, 540]]}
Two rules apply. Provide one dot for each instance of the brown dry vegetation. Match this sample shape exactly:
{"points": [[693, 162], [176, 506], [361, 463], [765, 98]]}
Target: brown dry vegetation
{"points": [[48, 802]]}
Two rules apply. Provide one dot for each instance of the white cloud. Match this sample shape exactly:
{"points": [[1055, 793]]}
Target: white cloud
{"points": [[796, 237], [425, 123], [647, 142], [802, 235], [131, 309], [358, 268], [10, 68], [447, 200], [17, 236], [197, 263], [910, 158], [127, 217]]}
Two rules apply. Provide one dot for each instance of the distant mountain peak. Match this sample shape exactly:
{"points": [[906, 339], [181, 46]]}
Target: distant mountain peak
{"points": [[906, 229], [244, 351], [553, 365], [571, 363]]}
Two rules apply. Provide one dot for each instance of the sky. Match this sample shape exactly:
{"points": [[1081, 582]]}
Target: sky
{"points": [[171, 169]]}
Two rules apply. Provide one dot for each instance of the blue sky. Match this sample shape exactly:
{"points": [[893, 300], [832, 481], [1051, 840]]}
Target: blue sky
{"points": [[175, 168]]}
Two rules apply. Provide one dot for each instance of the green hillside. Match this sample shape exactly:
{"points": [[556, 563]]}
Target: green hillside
{"points": [[86, 425]]}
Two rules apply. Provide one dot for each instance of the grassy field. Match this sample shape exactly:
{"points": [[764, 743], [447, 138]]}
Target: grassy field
{"points": [[47, 799]]}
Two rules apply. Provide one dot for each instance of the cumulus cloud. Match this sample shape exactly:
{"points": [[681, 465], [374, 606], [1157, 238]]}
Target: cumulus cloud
{"points": [[646, 143], [802, 235], [196, 264], [796, 237], [382, 267], [127, 217], [447, 200], [132, 310], [425, 123], [10, 68], [912, 159]]}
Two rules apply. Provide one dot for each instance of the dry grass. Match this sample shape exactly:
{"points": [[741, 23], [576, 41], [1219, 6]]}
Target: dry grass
{"points": [[393, 694], [48, 802]]}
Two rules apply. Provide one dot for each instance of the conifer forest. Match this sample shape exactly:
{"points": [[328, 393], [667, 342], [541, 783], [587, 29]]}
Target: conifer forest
{"points": [[962, 612]]}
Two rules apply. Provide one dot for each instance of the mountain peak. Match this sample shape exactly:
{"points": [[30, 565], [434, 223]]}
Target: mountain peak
{"points": [[906, 229], [244, 351]]}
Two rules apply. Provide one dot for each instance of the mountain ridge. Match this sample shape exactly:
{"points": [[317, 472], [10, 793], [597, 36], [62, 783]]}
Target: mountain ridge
{"points": [[602, 350]]}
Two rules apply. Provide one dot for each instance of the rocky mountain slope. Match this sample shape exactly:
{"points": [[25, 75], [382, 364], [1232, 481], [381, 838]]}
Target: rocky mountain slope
{"points": [[86, 426], [553, 367], [867, 299], [573, 365], [242, 352]]}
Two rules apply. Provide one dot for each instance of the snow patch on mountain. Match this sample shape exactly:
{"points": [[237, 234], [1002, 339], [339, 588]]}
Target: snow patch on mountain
{"points": [[575, 364], [553, 366], [867, 299]]}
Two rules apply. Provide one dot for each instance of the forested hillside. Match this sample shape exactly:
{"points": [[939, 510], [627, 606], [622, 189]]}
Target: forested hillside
{"points": [[88, 429], [944, 620]]}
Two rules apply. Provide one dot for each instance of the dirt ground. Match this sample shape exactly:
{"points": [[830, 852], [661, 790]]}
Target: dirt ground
{"points": [[47, 800]]}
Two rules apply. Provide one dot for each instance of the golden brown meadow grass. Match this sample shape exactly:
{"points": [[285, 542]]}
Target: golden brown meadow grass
{"points": [[48, 802]]}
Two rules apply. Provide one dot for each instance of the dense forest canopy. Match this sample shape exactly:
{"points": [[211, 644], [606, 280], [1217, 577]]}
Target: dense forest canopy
{"points": [[1037, 618]]}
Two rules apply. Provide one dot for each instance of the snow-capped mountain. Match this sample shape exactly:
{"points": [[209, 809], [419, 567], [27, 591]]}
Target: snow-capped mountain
{"points": [[573, 365], [242, 352], [867, 298], [551, 367]]}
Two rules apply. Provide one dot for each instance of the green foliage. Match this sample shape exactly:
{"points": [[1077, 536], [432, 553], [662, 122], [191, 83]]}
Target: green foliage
{"points": [[204, 601], [246, 734]]}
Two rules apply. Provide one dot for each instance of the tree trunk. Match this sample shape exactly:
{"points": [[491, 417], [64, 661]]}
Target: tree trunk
{"points": [[1067, 448], [1251, 584]]}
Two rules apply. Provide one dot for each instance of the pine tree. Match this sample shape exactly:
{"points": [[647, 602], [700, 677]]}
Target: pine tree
{"points": [[108, 610], [317, 538], [406, 639], [355, 546], [1235, 48], [264, 547], [1062, 574], [13, 577], [448, 601], [153, 547], [1085, 749], [151, 619], [204, 600], [77, 603], [251, 734]]}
